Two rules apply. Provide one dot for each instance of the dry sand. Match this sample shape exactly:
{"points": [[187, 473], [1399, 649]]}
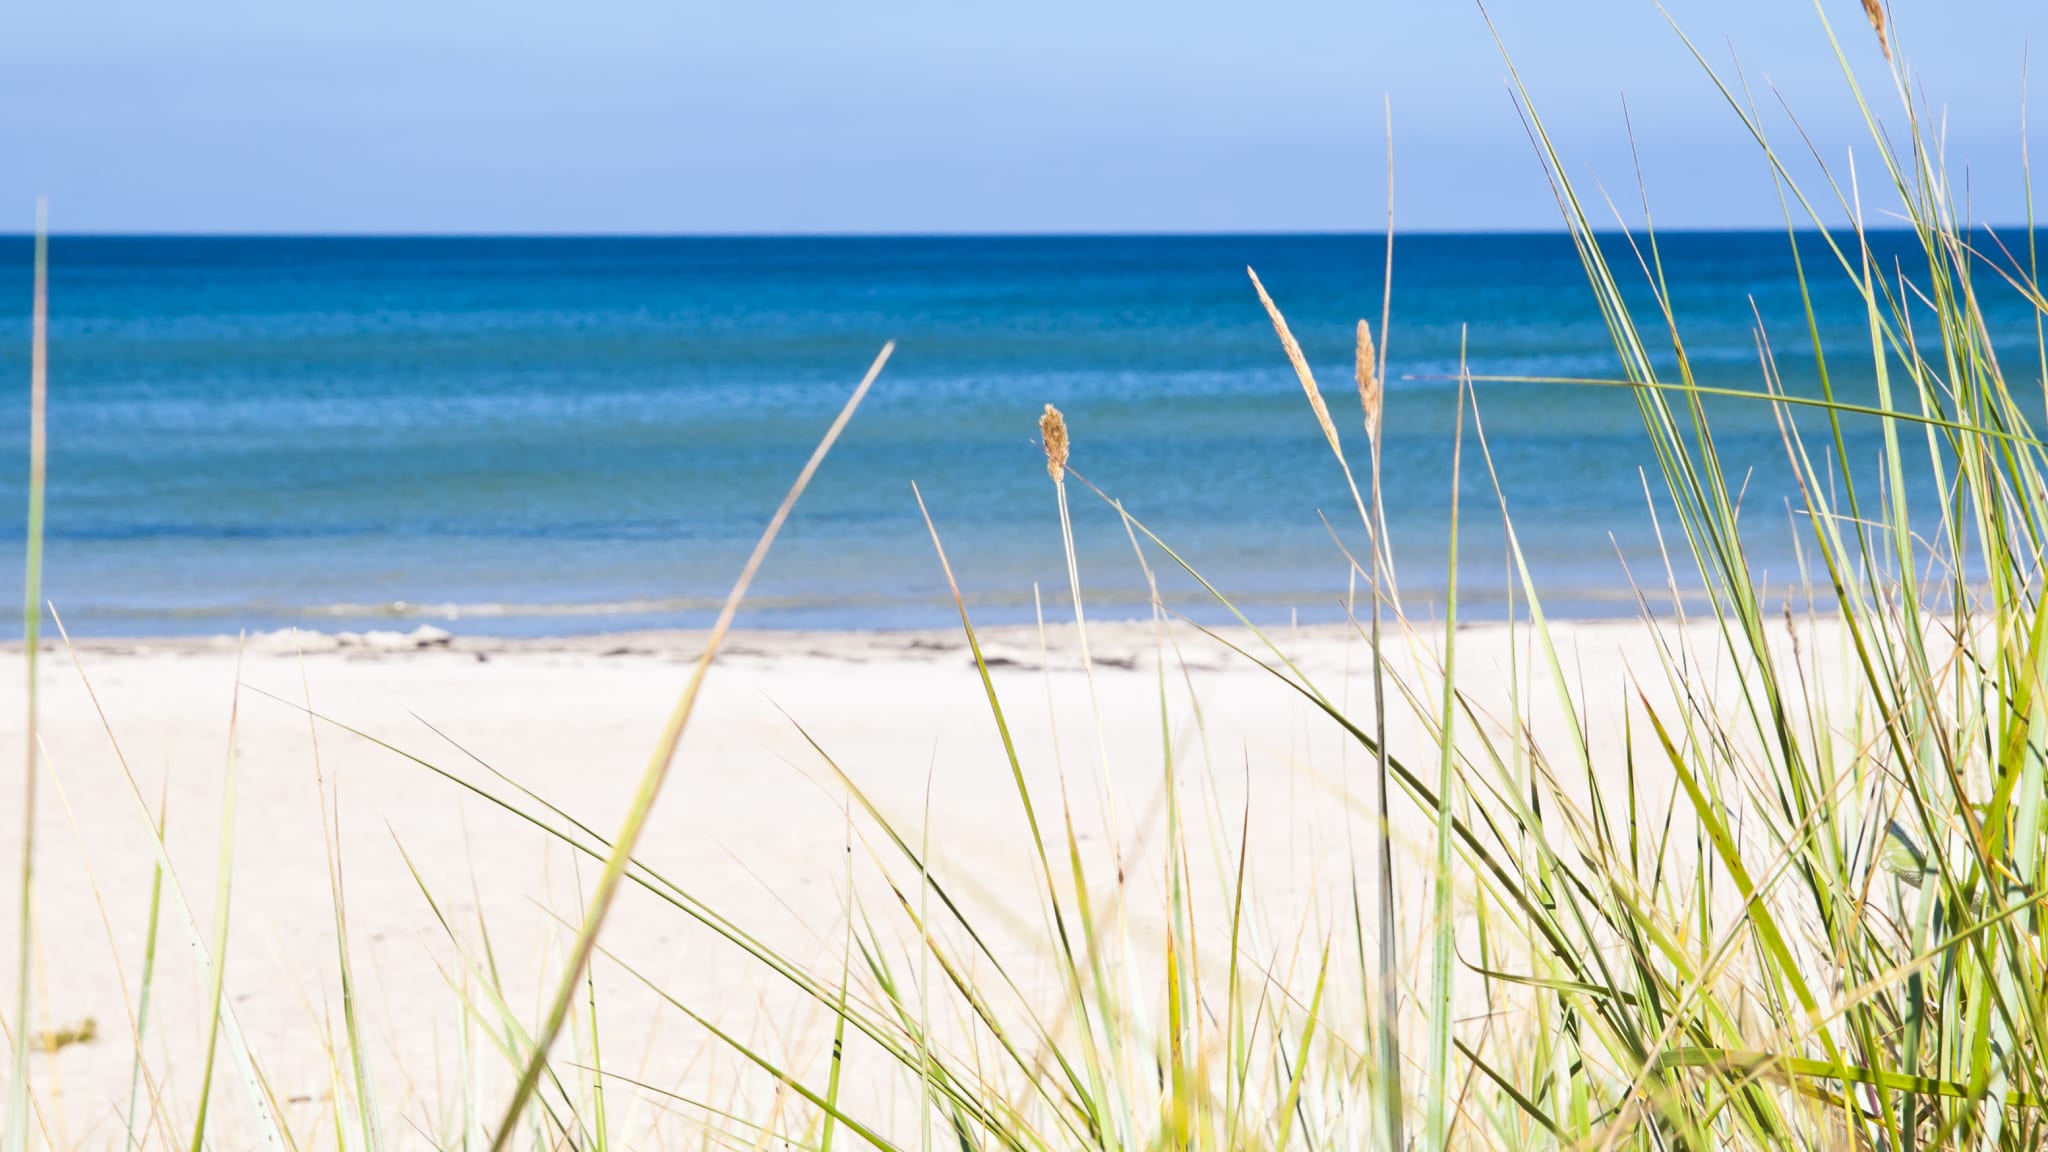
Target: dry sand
{"points": [[752, 822]]}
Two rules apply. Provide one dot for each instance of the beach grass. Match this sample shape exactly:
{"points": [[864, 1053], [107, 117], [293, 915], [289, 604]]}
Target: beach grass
{"points": [[1802, 907], [32, 617]]}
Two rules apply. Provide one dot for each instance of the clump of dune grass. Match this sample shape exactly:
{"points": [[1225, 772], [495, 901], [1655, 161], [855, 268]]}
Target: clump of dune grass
{"points": [[1828, 934]]}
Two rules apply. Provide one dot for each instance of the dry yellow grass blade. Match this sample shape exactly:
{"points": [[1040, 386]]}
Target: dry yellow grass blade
{"points": [[656, 774]]}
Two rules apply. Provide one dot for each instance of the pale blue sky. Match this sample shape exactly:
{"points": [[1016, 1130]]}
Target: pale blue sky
{"points": [[928, 116]]}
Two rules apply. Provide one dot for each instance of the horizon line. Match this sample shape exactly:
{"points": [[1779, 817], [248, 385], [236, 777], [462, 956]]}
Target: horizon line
{"points": [[1084, 234]]}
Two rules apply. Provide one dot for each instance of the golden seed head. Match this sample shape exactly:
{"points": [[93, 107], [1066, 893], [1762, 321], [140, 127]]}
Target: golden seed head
{"points": [[1875, 10], [1052, 429], [1292, 348], [1370, 394]]}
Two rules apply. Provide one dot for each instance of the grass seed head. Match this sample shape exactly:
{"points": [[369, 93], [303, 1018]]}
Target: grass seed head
{"points": [[1292, 348], [1875, 10], [1370, 393], [1052, 429]]}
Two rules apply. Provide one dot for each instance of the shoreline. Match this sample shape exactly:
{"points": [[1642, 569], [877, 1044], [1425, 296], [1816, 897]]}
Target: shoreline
{"points": [[770, 614], [1116, 645]]}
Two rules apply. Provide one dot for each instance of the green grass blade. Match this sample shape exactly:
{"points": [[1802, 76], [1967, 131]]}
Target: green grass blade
{"points": [[145, 994], [369, 1120], [223, 892], [262, 1105], [1304, 1055], [1438, 1082], [31, 623], [839, 1018], [657, 770]]}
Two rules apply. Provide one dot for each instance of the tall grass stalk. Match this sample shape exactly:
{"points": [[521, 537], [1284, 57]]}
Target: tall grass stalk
{"points": [[368, 1125], [657, 770], [1384, 587], [223, 890], [271, 1135], [1374, 521], [145, 994], [1115, 1055], [1443, 929], [31, 624]]}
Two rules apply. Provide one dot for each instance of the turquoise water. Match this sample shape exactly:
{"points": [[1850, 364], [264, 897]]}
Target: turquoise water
{"points": [[568, 435]]}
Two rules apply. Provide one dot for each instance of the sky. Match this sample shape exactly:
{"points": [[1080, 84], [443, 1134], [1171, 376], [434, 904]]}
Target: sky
{"points": [[921, 116]]}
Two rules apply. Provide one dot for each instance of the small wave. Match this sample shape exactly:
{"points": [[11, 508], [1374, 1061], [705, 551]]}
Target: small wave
{"points": [[408, 610], [491, 609], [673, 605]]}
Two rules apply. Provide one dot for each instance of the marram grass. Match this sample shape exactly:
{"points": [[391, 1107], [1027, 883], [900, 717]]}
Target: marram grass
{"points": [[1829, 936]]}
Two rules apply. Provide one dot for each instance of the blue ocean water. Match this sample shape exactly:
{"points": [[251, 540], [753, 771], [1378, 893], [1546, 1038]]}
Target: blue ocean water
{"points": [[569, 435]]}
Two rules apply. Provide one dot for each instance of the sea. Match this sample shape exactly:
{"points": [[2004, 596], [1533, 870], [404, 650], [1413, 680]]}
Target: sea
{"points": [[546, 436]]}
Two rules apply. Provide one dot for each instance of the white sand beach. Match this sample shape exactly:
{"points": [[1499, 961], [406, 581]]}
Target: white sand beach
{"points": [[752, 822]]}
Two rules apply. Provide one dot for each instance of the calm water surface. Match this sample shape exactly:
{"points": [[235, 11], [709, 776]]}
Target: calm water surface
{"points": [[568, 435]]}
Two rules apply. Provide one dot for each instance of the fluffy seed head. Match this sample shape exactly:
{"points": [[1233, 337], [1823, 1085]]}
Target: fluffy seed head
{"points": [[1369, 392], [1052, 429]]}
